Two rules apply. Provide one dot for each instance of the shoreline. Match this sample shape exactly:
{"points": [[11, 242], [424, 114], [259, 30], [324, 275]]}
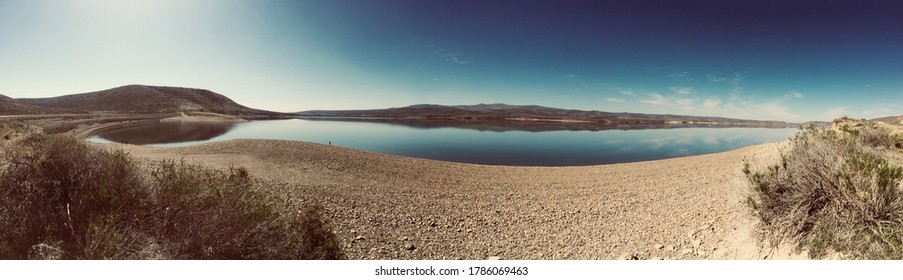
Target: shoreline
{"points": [[533, 124], [393, 207], [204, 117], [83, 126]]}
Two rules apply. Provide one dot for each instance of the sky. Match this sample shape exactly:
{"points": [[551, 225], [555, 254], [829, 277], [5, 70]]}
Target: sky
{"points": [[770, 60]]}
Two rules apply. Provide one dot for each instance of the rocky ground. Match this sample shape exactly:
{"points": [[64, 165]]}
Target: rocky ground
{"points": [[390, 207]]}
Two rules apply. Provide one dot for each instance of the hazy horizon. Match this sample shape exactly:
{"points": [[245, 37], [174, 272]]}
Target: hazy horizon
{"points": [[765, 60]]}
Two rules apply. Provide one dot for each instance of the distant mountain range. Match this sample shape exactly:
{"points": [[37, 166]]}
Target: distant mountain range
{"points": [[142, 99], [530, 113], [131, 99]]}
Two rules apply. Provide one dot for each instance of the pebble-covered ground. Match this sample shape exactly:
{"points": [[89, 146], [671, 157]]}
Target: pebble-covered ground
{"points": [[390, 207]]}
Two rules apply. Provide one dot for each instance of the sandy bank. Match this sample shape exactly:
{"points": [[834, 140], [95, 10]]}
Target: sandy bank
{"points": [[204, 117], [390, 207]]}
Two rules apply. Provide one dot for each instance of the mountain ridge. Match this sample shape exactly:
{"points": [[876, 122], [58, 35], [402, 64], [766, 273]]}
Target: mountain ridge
{"points": [[505, 112]]}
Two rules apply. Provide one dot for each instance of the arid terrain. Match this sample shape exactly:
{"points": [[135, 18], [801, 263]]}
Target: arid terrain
{"points": [[86, 113], [389, 207]]}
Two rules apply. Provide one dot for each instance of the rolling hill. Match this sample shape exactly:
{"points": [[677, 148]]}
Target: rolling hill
{"points": [[530, 113], [9, 106], [894, 120], [140, 99]]}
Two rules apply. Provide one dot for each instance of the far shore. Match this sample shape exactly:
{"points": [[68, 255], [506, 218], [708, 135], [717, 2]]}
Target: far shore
{"points": [[204, 117]]}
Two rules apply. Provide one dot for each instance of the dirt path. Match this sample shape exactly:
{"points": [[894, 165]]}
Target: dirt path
{"points": [[389, 207]]}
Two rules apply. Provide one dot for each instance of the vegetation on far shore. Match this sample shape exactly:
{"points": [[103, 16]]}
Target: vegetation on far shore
{"points": [[836, 190], [63, 199]]}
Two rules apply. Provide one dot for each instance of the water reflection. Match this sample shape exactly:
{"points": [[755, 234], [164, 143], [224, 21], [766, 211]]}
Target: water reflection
{"points": [[531, 126], [507, 147], [156, 132]]}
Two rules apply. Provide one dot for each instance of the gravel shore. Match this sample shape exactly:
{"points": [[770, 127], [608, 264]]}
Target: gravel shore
{"points": [[391, 207]]}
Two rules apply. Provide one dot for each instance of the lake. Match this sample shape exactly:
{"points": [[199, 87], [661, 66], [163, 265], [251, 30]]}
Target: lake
{"points": [[512, 147]]}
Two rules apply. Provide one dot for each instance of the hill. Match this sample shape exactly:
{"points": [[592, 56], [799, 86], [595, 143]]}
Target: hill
{"points": [[894, 120], [532, 113], [9, 106], [139, 99]]}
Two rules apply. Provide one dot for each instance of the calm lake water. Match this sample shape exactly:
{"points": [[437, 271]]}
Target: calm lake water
{"points": [[547, 148]]}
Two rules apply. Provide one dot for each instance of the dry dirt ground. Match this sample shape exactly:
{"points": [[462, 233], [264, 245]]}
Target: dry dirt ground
{"points": [[390, 207]]}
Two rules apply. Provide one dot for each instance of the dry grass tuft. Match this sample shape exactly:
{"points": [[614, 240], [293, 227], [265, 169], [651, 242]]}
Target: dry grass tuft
{"points": [[833, 191]]}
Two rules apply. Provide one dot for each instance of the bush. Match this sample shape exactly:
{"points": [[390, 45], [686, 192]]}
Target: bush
{"points": [[61, 199], [59, 191], [832, 191], [11, 130], [218, 215]]}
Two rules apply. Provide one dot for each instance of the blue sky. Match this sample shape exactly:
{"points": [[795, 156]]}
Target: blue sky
{"points": [[796, 61]]}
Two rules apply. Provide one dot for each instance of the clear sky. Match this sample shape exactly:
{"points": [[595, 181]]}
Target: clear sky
{"points": [[777, 60]]}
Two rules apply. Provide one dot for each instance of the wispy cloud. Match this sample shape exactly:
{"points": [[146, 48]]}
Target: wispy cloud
{"points": [[882, 111], [738, 78], [456, 58], [834, 113], [715, 79], [735, 93], [441, 53], [739, 107], [770, 110], [576, 82], [682, 90], [681, 75], [877, 112], [685, 101], [614, 100], [661, 100], [795, 94], [656, 99], [627, 92]]}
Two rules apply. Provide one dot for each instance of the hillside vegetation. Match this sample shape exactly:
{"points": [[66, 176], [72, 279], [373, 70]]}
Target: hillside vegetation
{"points": [[836, 190], [63, 199], [138, 99], [9, 106]]}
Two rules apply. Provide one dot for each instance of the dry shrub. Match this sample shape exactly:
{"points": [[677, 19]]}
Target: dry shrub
{"points": [[218, 215], [317, 239], [832, 192], [13, 129], [61, 199], [876, 136], [58, 190]]}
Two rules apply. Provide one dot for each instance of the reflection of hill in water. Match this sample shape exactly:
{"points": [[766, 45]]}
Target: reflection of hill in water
{"points": [[530, 126], [167, 132]]}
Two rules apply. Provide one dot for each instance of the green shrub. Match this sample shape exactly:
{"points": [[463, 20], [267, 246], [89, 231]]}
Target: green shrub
{"points": [[62, 199], [832, 192]]}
